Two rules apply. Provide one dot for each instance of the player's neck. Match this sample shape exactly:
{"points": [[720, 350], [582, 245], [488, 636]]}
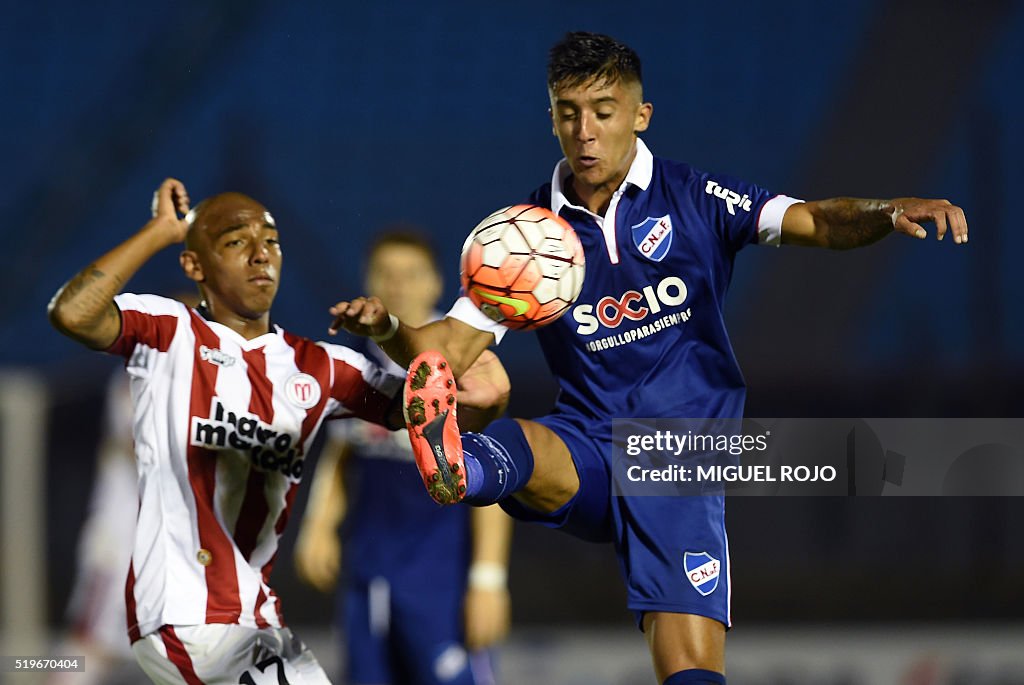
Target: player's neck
{"points": [[594, 198], [597, 198], [244, 326]]}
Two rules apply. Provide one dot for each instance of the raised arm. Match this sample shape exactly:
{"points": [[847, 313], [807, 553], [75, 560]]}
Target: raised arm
{"points": [[842, 223], [83, 309], [460, 343]]}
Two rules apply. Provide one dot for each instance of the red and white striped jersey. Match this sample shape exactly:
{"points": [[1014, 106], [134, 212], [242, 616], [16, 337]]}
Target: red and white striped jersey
{"points": [[222, 427]]}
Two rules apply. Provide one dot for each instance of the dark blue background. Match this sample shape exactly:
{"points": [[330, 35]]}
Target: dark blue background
{"points": [[344, 117]]}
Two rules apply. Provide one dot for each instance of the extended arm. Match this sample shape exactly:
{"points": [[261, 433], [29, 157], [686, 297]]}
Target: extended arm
{"points": [[84, 309], [842, 223], [487, 599], [460, 343]]}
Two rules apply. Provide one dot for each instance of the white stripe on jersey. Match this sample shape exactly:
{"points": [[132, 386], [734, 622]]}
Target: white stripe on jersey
{"points": [[222, 426]]}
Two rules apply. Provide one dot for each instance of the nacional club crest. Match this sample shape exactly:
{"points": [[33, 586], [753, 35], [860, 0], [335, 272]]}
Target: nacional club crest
{"points": [[303, 391], [653, 237], [702, 570]]}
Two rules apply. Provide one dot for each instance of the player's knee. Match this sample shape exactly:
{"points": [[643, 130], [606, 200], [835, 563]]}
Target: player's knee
{"points": [[554, 481], [510, 433], [695, 676]]}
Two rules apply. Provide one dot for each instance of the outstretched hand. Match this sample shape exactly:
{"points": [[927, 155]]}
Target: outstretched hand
{"points": [[909, 212], [363, 316]]}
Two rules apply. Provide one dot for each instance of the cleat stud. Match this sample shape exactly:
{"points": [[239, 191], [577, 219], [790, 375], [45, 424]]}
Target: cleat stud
{"points": [[419, 377], [462, 489], [442, 365], [454, 468], [434, 477], [451, 399], [441, 494], [450, 382], [416, 411]]}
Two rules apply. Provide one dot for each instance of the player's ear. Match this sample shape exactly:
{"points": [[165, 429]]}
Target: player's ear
{"points": [[189, 261], [551, 114], [643, 117]]}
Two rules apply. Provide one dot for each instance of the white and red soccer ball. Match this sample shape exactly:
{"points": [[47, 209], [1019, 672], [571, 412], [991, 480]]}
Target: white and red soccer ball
{"points": [[523, 266]]}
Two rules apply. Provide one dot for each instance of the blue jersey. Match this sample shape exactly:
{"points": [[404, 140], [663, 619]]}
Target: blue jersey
{"points": [[646, 338], [392, 528], [647, 335]]}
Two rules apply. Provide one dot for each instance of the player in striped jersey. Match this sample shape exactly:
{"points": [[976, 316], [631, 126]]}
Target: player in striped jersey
{"points": [[226, 407]]}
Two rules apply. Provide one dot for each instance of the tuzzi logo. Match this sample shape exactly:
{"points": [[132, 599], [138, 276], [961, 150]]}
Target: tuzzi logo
{"points": [[702, 570], [215, 356], [653, 237], [731, 197], [634, 305]]}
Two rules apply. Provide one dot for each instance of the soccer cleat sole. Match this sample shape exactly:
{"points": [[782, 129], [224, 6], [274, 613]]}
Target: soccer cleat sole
{"points": [[430, 418]]}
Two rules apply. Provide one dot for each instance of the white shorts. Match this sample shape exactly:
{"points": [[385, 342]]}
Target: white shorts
{"points": [[216, 654]]}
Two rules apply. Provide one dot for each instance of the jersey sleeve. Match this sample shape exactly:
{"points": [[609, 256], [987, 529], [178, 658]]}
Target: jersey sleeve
{"points": [[147, 320], [468, 313], [359, 387], [739, 212]]}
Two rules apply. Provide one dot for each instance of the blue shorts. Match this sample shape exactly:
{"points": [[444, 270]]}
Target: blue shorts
{"points": [[404, 636], [673, 551]]}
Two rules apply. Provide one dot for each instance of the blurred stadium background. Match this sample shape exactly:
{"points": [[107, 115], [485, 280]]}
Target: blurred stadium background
{"points": [[345, 118]]}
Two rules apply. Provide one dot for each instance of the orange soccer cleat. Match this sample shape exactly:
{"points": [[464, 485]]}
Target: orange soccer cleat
{"points": [[429, 408]]}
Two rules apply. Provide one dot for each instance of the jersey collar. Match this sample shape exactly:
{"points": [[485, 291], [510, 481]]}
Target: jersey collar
{"points": [[639, 175], [275, 332]]}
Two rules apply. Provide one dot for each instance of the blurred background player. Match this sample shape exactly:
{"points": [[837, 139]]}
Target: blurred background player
{"points": [[644, 222], [420, 584], [226, 406], [96, 613]]}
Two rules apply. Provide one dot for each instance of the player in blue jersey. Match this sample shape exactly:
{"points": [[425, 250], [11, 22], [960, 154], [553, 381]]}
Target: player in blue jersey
{"points": [[646, 338], [423, 588]]}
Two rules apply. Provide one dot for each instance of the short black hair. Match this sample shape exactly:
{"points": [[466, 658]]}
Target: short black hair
{"points": [[581, 57], [404, 235]]}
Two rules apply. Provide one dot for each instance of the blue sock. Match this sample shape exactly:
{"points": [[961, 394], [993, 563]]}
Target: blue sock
{"points": [[498, 462], [695, 676]]}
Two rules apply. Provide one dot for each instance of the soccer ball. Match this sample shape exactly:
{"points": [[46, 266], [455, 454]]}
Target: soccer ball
{"points": [[523, 266]]}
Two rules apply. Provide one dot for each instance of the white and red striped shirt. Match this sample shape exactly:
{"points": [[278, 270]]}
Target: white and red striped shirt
{"points": [[222, 427]]}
